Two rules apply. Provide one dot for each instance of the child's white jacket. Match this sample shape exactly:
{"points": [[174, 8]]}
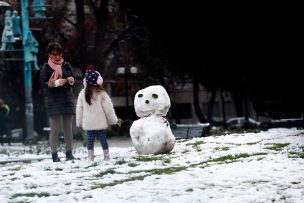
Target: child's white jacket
{"points": [[97, 116]]}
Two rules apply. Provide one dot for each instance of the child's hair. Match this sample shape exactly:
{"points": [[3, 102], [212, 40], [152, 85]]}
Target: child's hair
{"points": [[89, 92], [54, 47]]}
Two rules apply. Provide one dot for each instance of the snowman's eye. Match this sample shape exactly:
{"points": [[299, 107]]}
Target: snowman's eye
{"points": [[155, 96], [140, 95]]}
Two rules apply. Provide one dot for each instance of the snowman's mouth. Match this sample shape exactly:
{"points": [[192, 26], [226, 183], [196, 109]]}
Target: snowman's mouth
{"points": [[146, 113]]}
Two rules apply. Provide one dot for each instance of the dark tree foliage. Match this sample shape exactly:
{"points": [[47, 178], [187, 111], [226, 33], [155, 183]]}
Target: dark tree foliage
{"points": [[225, 44]]}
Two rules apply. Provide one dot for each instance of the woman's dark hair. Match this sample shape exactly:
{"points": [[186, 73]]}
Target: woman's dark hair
{"points": [[54, 47], [89, 90]]}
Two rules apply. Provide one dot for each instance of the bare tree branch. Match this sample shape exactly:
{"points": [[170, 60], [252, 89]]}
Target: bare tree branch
{"points": [[92, 6], [69, 21]]}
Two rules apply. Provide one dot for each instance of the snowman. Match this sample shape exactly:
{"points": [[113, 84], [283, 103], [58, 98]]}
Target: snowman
{"points": [[151, 133]]}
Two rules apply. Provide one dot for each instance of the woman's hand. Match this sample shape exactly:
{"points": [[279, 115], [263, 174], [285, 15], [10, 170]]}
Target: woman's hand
{"points": [[71, 80], [60, 82]]}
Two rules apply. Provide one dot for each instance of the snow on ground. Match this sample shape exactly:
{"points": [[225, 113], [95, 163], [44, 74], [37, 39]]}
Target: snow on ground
{"points": [[249, 167]]}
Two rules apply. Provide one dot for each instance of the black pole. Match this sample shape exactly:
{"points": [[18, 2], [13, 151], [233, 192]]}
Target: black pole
{"points": [[246, 109], [126, 86]]}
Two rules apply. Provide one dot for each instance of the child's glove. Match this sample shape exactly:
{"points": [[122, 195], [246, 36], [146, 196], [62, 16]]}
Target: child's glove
{"points": [[119, 122]]}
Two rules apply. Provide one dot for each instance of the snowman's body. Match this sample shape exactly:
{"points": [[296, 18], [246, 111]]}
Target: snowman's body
{"points": [[151, 134]]}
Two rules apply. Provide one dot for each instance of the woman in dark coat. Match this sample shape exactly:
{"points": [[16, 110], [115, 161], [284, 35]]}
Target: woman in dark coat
{"points": [[57, 80]]}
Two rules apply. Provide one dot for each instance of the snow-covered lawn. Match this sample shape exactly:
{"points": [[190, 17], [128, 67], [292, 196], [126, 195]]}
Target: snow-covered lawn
{"points": [[251, 167]]}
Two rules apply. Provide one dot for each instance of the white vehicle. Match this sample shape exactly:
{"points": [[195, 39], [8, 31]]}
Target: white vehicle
{"points": [[239, 122]]}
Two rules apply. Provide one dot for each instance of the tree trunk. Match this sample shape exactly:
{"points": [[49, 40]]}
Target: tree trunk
{"points": [[197, 107], [223, 107], [237, 96], [100, 35], [82, 54], [246, 107], [211, 103]]}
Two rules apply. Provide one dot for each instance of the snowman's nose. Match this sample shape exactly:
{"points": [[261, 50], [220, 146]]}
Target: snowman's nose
{"points": [[147, 101]]}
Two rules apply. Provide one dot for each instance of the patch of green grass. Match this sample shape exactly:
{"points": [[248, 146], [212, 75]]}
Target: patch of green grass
{"points": [[235, 157], [26, 175], [252, 143], [296, 155], [153, 158], [32, 186], [221, 148], [170, 170], [185, 151], [225, 159], [196, 144], [189, 190], [16, 168], [58, 169], [182, 140], [116, 182], [277, 146], [236, 144], [109, 171], [148, 158], [92, 165], [301, 155], [121, 162], [30, 194], [141, 177], [132, 164], [88, 197]]}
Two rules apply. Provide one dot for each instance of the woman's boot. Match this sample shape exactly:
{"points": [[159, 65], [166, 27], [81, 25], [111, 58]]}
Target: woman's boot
{"points": [[69, 155], [55, 157]]}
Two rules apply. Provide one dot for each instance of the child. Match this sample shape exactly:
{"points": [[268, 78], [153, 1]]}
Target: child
{"points": [[95, 112]]}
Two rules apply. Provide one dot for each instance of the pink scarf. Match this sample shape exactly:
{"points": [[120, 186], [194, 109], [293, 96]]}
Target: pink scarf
{"points": [[56, 66]]}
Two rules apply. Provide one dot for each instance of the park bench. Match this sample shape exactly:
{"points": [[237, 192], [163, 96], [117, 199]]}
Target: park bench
{"points": [[16, 136], [186, 131]]}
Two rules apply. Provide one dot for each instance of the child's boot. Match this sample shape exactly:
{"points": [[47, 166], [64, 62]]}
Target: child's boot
{"points": [[91, 155], [106, 155]]}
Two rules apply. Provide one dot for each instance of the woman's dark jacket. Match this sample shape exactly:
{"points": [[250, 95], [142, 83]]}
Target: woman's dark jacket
{"points": [[59, 100]]}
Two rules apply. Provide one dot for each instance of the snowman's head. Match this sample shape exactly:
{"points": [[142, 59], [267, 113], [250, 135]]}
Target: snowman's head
{"points": [[152, 100]]}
